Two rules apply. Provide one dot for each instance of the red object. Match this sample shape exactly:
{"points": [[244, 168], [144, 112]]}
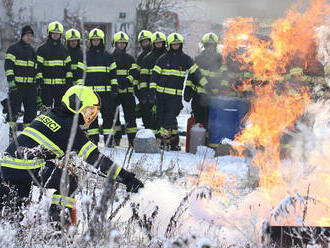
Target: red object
{"points": [[190, 122]]}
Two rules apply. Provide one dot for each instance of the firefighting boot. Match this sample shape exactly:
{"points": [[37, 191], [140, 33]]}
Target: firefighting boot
{"points": [[174, 143]]}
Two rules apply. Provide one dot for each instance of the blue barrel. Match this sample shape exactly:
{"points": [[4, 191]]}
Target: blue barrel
{"points": [[225, 115]]}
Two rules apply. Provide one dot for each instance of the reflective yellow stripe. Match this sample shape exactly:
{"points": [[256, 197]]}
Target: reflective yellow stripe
{"points": [[93, 131], [67, 60], [121, 72], [130, 78], [53, 63], [213, 145], [175, 131], [69, 74], [100, 88], [127, 90], [117, 128], [193, 68], [40, 59], [108, 132], [224, 83], [157, 69], [81, 65], [74, 67], [114, 81], [165, 132], [169, 91], [114, 171], [63, 201], [22, 164], [201, 90], [43, 140], [146, 71], [189, 83], [39, 75], [86, 150], [135, 82], [203, 81], [211, 74], [9, 72], [223, 68], [131, 130], [24, 79], [28, 63], [112, 66], [153, 85], [97, 69], [172, 72], [296, 70], [10, 56], [79, 82], [54, 81], [142, 85], [134, 66]]}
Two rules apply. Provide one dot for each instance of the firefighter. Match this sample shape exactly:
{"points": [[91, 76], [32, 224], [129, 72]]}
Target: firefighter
{"points": [[54, 67], [20, 69], [72, 38], [144, 39], [127, 72], [209, 62], [148, 106], [48, 136], [101, 77], [166, 88]]}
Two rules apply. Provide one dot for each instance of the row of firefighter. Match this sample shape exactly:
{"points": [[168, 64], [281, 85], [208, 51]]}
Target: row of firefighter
{"points": [[160, 76]]}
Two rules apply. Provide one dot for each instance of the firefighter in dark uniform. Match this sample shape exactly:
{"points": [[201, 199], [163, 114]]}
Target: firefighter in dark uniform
{"points": [[54, 67], [144, 39], [20, 69], [127, 72], [166, 86], [148, 107], [209, 62], [101, 76], [31, 159], [72, 38]]}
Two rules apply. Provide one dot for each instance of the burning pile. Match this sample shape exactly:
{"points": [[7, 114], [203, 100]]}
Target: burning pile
{"points": [[281, 96]]}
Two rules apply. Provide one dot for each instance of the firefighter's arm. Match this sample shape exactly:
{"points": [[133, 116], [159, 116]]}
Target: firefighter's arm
{"points": [[40, 62], [10, 59], [143, 85], [89, 152], [113, 76], [68, 71], [133, 74], [81, 67]]}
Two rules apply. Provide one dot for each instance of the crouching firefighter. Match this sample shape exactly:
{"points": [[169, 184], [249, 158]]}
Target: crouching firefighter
{"points": [[22, 165]]}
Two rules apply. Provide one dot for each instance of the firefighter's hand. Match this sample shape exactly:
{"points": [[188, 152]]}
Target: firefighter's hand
{"points": [[188, 94], [128, 178], [39, 102], [12, 86]]}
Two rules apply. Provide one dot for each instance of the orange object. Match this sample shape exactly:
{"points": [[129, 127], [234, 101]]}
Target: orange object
{"points": [[190, 122], [73, 215]]}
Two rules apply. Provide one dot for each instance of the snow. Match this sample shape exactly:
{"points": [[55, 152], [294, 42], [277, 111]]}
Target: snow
{"points": [[145, 134]]}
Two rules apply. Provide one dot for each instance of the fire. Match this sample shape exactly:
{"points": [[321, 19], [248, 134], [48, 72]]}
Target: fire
{"points": [[280, 98]]}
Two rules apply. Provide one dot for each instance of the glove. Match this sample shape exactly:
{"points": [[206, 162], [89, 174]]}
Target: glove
{"points": [[152, 97], [39, 102], [128, 178], [154, 110], [124, 83], [188, 94], [12, 86]]}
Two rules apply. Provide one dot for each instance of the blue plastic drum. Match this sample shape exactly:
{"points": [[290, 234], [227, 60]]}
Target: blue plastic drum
{"points": [[225, 118]]}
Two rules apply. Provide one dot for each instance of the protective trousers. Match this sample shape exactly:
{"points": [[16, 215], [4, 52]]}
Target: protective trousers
{"points": [[52, 94], [16, 185], [127, 101], [200, 108], [107, 111], [148, 117], [168, 108]]}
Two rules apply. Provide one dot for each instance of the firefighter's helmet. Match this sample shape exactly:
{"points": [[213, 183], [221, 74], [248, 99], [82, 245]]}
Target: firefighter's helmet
{"points": [[96, 33], [174, 38], [72, 34], [120, 36], [210, 38], [55, 27], [158, 36], [144, 34], [82, 100]]}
